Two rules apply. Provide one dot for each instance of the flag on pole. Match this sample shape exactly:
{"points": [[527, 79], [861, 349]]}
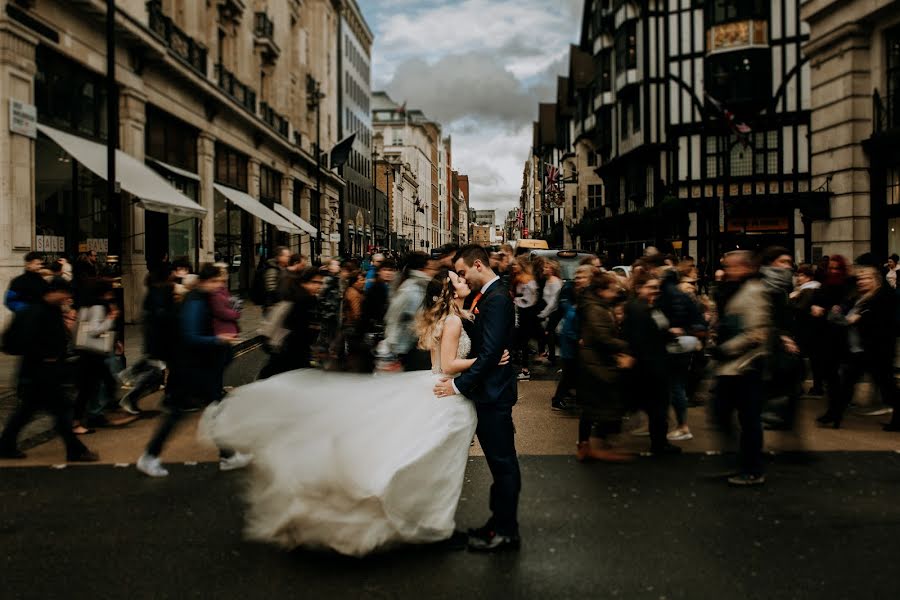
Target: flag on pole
{"points": [[552, 176], [739, 127]]}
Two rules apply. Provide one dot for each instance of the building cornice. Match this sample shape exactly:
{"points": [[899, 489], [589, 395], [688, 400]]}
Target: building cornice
{"points": [[848, 31]]}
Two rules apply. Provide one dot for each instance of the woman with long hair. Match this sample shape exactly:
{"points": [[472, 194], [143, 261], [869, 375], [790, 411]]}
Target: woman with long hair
{"points": [[525, 292], [830, 304], [871, 346], [550, 315]]}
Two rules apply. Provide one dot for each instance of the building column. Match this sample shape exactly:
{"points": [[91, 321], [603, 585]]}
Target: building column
{"points": [[132, 121], [206, 169], [17, 228], [841, 84], [253, 165], [287, 201]]}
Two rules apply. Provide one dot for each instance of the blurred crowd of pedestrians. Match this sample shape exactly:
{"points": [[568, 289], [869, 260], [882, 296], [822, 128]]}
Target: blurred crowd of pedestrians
{"points": [[758, 327]]}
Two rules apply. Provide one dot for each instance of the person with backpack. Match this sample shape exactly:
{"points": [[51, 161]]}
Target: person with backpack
{"points": [[267, 281], [299, 324], [39, 334]]}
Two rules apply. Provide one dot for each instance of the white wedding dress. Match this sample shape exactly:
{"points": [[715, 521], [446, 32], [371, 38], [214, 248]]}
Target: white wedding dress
{"points": [[349, 462]]}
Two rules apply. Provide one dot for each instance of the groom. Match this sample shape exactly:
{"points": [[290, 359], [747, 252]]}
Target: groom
{"points": [[493, 390]]}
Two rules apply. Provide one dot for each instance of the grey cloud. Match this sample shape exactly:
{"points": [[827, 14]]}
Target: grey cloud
{"points": [[473, 85]]}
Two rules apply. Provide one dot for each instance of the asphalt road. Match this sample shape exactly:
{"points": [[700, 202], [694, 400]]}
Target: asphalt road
{"points": [[656, 529]]}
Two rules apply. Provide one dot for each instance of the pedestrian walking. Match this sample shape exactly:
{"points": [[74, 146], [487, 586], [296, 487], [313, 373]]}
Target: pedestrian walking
{"points": [[743, 342], [601, 354], [646, 330], [196, 372], [871, 332], [28, 288], [43, 342]]}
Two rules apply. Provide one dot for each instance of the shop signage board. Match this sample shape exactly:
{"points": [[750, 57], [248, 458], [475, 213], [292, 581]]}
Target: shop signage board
{"points": [[23, 118]]}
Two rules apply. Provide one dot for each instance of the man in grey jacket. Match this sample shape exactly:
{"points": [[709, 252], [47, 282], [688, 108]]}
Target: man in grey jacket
{"points": [[742, 345], [400, 342]]}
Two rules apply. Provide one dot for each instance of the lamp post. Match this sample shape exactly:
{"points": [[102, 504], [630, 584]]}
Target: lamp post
{"points": [[419, 209], [314, 96]]}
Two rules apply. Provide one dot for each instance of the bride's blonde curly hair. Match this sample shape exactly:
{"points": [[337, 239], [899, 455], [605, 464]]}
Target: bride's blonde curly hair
{"points": [[439, 304]]}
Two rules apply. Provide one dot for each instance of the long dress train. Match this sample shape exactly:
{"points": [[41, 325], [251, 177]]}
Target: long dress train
{"points": [[345, 461]]}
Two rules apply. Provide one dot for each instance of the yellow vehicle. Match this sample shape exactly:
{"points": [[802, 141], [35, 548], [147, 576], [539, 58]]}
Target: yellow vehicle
{"points": [[523, 246]]}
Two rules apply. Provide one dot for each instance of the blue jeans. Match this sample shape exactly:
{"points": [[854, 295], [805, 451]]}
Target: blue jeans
{"points": [[679, 366]]}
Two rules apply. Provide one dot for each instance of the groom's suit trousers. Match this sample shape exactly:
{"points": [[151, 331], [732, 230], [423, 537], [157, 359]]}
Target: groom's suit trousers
{"points": [[496, 434]]}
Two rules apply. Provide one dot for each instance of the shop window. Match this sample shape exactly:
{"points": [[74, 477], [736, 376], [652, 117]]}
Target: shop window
{"points": [[894, 235], [68, 96]]}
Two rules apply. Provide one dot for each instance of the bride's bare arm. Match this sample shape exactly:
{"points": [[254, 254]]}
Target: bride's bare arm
{"points": [[451, 365]]}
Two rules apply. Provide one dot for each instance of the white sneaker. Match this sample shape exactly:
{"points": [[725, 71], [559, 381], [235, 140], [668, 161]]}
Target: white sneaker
{"points": [[876, 412], [150, 466], [679, 435], [235, 461]]}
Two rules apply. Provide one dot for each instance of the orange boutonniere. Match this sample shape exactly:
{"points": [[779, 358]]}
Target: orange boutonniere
{"points": [[475, 303]]}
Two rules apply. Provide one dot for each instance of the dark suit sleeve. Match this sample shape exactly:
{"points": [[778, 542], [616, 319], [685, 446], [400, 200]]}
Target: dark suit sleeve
{"points": [[497, 315]]}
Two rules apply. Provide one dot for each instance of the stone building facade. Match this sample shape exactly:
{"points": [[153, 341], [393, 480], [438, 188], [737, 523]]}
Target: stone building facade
{"points": [[214, 108], [854, 53]]}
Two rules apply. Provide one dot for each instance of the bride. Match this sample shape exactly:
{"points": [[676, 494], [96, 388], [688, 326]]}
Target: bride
{"points": [[357, 462]]}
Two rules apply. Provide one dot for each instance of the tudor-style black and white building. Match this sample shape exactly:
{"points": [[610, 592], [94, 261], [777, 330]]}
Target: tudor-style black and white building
{"points": [[698, 112]]}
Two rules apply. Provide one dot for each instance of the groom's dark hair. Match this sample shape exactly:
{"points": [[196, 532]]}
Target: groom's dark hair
{"points": [[472, 252]]}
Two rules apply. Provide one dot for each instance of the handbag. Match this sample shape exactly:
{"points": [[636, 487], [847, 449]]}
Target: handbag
{"points": [[87, 342], [683, 344]]}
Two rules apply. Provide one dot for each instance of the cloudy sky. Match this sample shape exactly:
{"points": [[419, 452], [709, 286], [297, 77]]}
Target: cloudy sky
{"points": [[480, 68]]}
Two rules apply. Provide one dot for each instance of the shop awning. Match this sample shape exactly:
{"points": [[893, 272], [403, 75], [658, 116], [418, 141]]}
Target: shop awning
{"points": [[256, 208], [175, 170], [136, 178], [295, 219]]}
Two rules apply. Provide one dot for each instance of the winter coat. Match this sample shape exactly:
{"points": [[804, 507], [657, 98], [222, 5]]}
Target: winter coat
{"points": [[225, 318], [745, 330], [600, 341]]}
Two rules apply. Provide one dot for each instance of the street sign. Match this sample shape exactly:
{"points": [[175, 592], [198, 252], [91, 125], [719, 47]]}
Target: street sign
{"points": [[23, 118]]}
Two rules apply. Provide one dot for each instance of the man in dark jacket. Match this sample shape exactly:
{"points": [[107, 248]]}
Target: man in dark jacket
{"points": [[195, 371], [42, 373], [29, 287]]}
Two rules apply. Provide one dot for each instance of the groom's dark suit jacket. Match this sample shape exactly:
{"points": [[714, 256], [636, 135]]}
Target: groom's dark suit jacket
{"points": [[491, 333]]}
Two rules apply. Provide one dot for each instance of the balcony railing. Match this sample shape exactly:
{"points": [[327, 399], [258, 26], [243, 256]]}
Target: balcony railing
{"points": [[263, 26], [181, 44], [232, 86], [885, 113], [274, 120], [264, 37]]}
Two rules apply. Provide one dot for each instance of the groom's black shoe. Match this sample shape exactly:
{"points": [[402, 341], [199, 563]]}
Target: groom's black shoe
{"points": [[493, 542], [456, 542]]}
